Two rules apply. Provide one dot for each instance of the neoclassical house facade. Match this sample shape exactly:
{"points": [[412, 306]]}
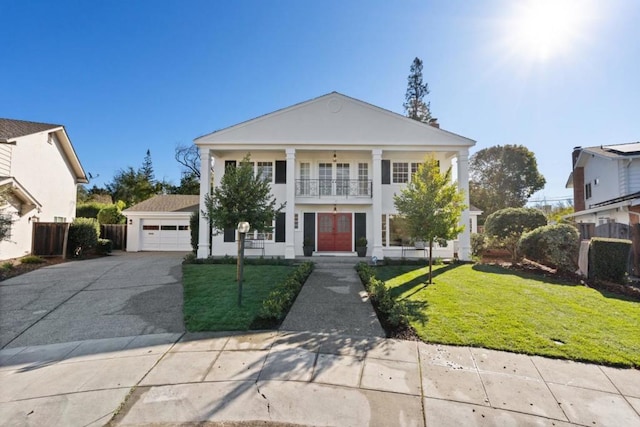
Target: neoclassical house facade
{"points": [[337, 162]]}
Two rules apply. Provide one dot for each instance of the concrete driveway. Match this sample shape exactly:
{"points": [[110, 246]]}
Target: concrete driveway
{"points": [[124, 294]]}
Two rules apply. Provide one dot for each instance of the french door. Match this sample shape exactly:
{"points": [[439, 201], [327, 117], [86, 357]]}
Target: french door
{"points": [[334, 232]]}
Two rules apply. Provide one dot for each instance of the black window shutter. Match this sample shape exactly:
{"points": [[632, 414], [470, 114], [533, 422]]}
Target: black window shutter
{"points": [[360, 227], [229, 234], [386, 171], [310, 228], [229, 163], [281, 220], [281, 171]]}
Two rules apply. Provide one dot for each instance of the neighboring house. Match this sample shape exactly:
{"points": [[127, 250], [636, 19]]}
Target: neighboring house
{"points": [[161, 223], [39, 173], [337, 162], [606, 189]]}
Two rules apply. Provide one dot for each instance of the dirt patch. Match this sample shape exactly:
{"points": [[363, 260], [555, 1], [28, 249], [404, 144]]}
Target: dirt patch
{"points": [[19, 268]]}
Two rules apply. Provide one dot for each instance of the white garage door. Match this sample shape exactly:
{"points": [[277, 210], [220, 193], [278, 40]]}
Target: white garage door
{"points": [[165, 235]]}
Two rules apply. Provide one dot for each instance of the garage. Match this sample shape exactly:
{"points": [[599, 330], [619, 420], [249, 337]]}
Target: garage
{"points": [[161, 223]]}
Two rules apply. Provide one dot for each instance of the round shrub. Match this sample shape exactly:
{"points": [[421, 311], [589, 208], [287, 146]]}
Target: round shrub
{"points": [[83, 235], [505, 227], [552, 245], [89, 210], [111, 214], [478, 243]]}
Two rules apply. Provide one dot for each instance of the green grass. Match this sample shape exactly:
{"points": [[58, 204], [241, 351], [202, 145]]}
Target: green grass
{"points": [[491, 307], [211, 294]]}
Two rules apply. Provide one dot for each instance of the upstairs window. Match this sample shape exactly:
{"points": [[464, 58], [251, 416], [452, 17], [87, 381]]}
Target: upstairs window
{"points": [[265, 171], [587, 191], [400, 173]]}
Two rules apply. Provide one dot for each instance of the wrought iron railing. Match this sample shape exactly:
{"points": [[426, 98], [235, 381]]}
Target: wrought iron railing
{"points": [[333, 187]]}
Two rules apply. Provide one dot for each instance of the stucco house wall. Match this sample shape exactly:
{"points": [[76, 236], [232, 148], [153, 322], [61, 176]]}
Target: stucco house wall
{"points": [[43, 164]]}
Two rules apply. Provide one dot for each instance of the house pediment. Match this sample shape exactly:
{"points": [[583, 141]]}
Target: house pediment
{"points": [[334, 119]]}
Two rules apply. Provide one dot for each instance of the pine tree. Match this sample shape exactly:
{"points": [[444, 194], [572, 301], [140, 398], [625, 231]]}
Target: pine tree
{"points": [[415, 106]]}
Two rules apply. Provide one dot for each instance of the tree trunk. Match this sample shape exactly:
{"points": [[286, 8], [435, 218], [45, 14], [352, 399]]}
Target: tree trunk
{"points": [[430, 259]]}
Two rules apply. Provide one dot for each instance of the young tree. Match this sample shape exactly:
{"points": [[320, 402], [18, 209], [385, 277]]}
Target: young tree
{"points": [[415, 106], [241, 196], [431, 205], [503, 177]]}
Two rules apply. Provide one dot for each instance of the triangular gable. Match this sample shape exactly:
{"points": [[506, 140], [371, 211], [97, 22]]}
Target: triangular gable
{"points": [[335, 118], [19, 192]]}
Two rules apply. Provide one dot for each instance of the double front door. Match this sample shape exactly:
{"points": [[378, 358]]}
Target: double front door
{"points": [[334, 232]]}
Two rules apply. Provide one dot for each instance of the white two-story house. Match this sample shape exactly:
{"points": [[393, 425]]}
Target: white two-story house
{"points": [[337, 162], [606, 185], [39, 173]]}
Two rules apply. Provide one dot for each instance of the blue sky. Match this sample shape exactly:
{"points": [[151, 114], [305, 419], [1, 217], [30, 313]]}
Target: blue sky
{"points": [[127, 76]]}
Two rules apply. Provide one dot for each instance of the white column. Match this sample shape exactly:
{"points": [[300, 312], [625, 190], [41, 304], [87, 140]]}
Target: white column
{"points": [[377, 203], [204, 234], [290, 251], [464, 239]]}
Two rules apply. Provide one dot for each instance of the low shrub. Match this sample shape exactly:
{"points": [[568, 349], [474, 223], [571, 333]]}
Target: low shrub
{"points": [[111, 214], [277, 304], [394, 311], [7, 266], [83, 235], [552, 245], [104, 247], [192, 258], [608, 259], [506, 226], [89, 210], [31, 259], [478, 243]]}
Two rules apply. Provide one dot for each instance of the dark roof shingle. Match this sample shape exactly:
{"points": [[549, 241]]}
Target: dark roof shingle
{"points": [[10, 128]]}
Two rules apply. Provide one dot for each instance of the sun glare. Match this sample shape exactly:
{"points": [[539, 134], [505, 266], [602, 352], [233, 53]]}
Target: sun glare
{"points": [[546, 29]]}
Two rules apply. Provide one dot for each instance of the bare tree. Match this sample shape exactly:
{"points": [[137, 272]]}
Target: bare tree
{"points": [[189, 158]]}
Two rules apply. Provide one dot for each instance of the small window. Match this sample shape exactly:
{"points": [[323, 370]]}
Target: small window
{"points": [[59, 219], [587, 191], [169, 227], [400, 173], [183, 227], [151, 227]]}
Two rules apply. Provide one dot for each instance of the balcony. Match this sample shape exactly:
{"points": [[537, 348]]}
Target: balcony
{"points": [[347, 188]]}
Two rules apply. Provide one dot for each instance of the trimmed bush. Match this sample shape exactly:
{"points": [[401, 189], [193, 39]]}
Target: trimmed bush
{"points": [[111, 215], [608, 259], [478, 243], [279, 301], [552, 245], [505, 227], [83, 235], [394, 311], [194, 226], [31, 259], [105, 246], [89, 210]]}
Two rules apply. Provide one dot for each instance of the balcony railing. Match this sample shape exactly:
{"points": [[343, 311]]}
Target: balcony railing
{"points": [[333, 187]]}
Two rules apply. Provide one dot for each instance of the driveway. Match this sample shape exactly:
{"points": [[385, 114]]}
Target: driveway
{"points": [[124, 294]]}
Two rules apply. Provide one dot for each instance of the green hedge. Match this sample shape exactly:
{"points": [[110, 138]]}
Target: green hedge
{"points": [[552, 245], [277, 304], [83, 235], [194, 226], [608, 259], [89, 210], [105, 246], [394, 311]]}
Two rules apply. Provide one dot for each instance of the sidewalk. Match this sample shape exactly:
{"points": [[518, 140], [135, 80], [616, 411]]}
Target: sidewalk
{"points": [[307, 379], [333, 300]]}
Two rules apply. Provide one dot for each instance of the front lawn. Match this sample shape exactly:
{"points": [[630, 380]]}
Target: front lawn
{"points": [[211, 294], [492, 307]]}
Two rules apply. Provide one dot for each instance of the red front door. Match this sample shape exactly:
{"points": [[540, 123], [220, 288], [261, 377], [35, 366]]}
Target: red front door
{"points": [[334, 232]]}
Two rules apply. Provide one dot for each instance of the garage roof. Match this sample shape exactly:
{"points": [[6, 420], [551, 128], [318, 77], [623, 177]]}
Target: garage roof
{"points": [[167, 203]]}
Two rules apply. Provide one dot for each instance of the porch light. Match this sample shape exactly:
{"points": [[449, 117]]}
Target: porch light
{"points": [[335, 157], [335, 209]]}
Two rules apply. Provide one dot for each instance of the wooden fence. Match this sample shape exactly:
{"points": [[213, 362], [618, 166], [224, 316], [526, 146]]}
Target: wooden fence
{"points": [[49, 238], [117, 233]]}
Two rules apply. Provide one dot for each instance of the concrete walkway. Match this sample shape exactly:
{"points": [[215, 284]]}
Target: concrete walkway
{"points": [[274, 378], [333, 300]]}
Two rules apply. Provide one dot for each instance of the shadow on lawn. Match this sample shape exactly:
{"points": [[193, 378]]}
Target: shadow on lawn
{"points": [[419, 283], [536, 275]]}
